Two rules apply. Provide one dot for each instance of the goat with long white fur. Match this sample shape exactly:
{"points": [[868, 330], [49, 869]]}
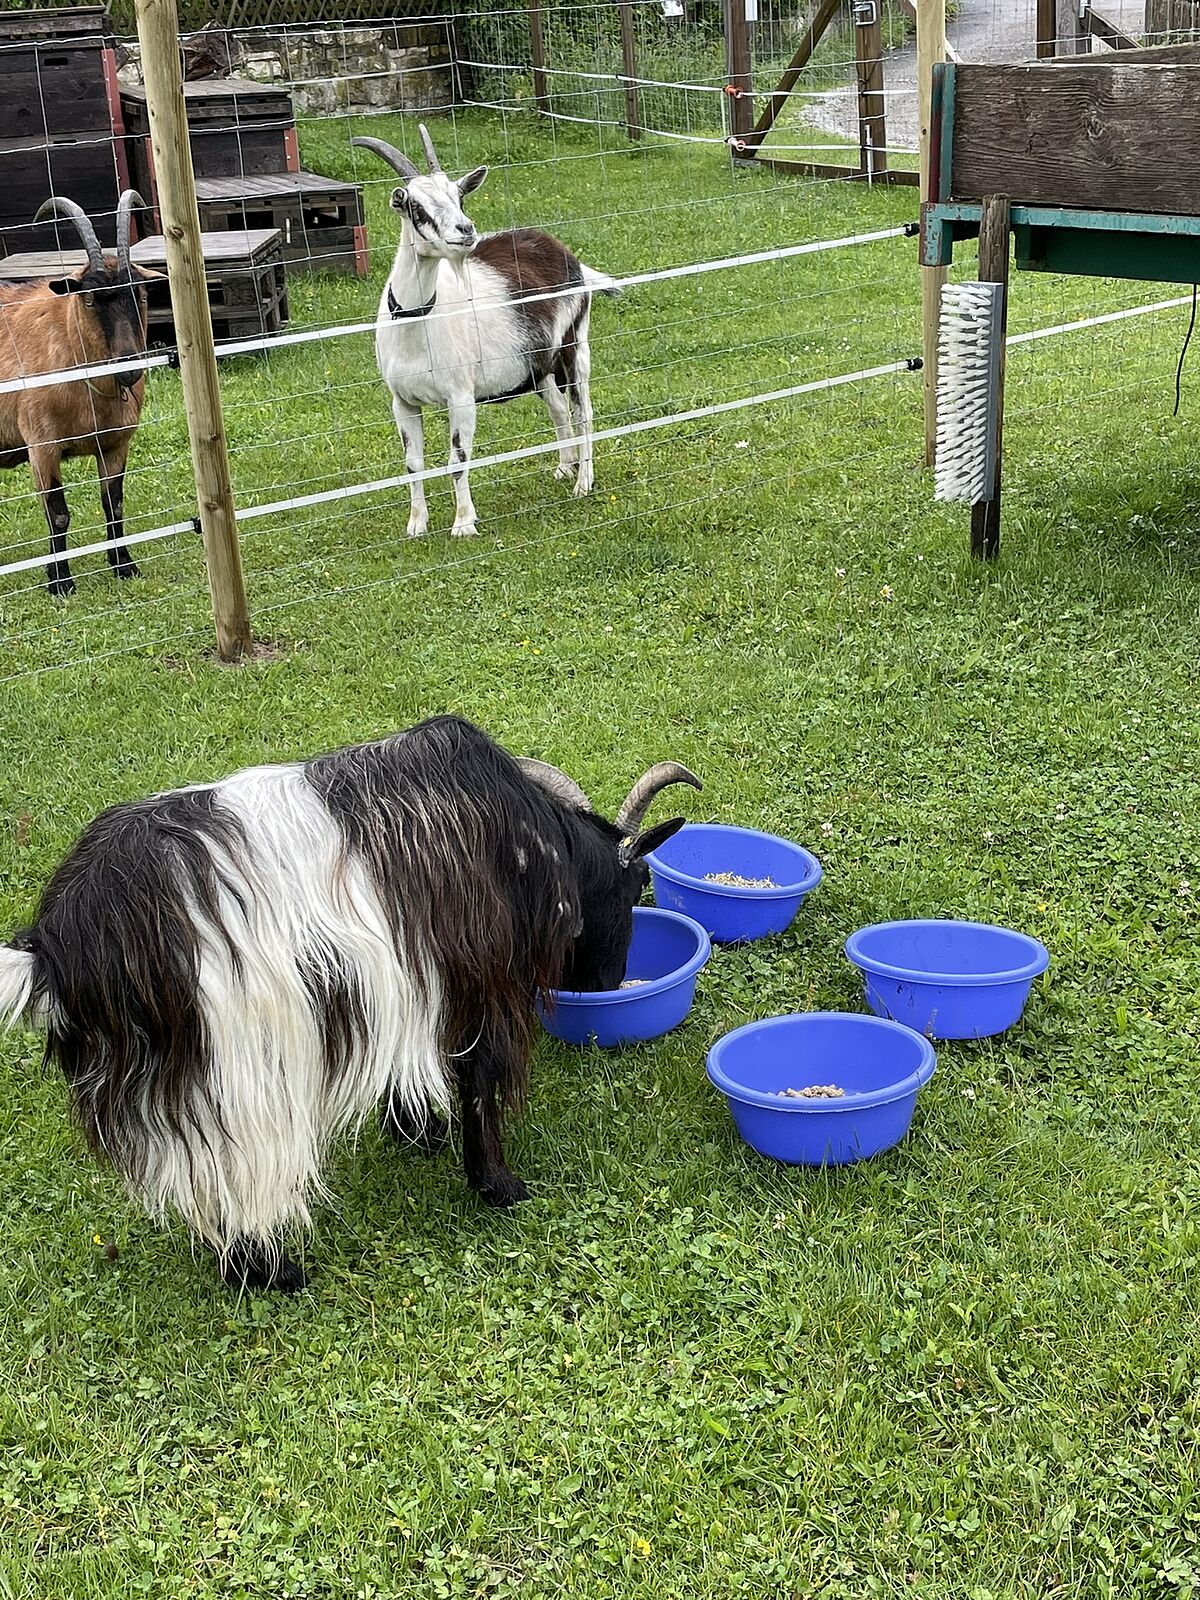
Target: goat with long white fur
{"points": [[232, 974], [466, 318]]}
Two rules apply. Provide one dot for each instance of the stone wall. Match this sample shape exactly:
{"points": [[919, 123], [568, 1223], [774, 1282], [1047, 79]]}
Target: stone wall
{"points": [[393, 66]]}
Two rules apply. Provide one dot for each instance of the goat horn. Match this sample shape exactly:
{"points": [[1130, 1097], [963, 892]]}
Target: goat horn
{"points": [[554, 782], [430, 153], [629, 818], [56, 206], [125, 207], [395, 159]]}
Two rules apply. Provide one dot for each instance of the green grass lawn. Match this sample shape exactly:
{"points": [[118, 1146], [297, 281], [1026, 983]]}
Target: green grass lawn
{"points": [[967, 1370]]}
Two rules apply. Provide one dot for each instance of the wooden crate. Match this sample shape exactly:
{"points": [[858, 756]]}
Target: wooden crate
{"points": [[237, 129], [58, 73], [85, 169], [246, 277], [320, 219]]}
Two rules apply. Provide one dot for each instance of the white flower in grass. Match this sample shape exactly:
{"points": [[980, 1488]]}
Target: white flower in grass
{"points": [[827, 828]]}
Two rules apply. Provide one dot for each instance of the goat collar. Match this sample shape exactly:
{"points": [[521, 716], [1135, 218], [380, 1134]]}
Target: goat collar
{"points": [[397, 312]]}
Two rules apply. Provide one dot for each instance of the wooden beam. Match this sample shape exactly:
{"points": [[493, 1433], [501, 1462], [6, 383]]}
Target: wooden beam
{"points": [[777, 99], [898, 177], [1100, 28], [868, 68], [931, 48], [633, 121], [993, 268], [158, 36]]}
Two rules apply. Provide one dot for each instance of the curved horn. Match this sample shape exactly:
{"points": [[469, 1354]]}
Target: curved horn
{"points": [[125, 207], [396, 159], [56, 206], [629, 818], [554, 782], [430, 153]]}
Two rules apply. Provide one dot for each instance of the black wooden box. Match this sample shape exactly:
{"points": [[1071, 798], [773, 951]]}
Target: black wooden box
{"points": [[237, 129], [319, 219], [85, 169], [57, 73]]}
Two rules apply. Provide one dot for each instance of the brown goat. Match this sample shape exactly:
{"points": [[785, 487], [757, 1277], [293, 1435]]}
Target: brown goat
{"points": [[95, 316]]}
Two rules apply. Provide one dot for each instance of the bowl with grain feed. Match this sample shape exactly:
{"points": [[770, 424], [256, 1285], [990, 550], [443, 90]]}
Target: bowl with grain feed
{"points": [[821, 1088], [665, 958], [738, 883]]}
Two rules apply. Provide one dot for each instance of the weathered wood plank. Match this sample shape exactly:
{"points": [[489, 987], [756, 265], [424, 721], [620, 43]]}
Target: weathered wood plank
{"points": [[1179, 55], [1101, 134]]}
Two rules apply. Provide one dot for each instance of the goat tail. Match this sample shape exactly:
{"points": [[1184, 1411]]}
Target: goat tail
{"points": [[599, 282], [19, 997]]}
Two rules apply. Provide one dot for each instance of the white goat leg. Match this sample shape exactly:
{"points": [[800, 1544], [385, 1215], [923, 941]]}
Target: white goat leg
{"points": [[462, 436], [560, 415], [411, 428], [581, 405]]}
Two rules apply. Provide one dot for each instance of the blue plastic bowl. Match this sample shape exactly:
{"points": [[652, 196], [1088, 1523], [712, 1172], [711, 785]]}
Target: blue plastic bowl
{"points": [[732, 914], [880, 1065], [948, 980], [666, 953]]}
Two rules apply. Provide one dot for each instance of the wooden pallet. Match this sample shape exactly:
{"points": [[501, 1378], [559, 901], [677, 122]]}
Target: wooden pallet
{"points": [[320, 219], [236, 129], [85, 168], [244, 270]]}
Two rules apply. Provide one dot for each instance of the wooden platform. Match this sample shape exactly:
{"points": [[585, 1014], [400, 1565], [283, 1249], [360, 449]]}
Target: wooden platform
{"points": [[320, 219], [247, 283]]}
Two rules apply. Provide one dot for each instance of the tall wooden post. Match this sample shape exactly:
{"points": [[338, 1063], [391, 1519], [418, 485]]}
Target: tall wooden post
{"points": [[993, 268], [931, 47], [158, 35], [737, 69], [633, 121], [1047, 29], [868, 66], [537, 55]]}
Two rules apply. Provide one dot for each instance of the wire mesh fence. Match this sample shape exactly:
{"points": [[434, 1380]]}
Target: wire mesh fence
{"points": [[758, 358]]}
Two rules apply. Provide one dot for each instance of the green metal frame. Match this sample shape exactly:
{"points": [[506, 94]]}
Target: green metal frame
{"points": [[1099, 244]]}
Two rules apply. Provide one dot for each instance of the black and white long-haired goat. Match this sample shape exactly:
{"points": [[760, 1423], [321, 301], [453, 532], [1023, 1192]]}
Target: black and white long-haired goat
{"points": [[231, 975], [491, 338]]}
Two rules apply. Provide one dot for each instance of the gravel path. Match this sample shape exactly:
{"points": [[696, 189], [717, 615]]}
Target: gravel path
{"points": [[984, 30]]}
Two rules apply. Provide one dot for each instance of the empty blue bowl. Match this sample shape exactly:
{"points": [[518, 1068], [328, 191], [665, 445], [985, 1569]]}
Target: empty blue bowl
{"points": [[948, 980], [880, 1065], [666, 954], [731, 913]]}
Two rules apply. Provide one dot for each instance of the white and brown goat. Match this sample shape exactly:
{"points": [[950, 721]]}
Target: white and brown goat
{"points": [[466, 319], [95, 316]]}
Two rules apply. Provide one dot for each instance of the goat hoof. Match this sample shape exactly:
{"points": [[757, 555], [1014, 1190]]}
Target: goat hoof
{"points": [[503, 1188], [583, 485], [60, 588], [127, 569], [464, 530], [428, 1134], [563, 470], [249, 1266], [416, 530]]}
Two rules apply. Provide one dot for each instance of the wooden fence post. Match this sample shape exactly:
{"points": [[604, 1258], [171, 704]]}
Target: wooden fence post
{"points": [[868, 66], [158, 35], [633, 122], [1047, 29], [537, 55], [931, 47], [993, 268], [737, 69]]}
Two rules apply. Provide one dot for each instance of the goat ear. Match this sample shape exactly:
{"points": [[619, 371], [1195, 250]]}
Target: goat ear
{"points": [[650, 838], [148, 274], [472, 180], [399, 201], [64, 286]]}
